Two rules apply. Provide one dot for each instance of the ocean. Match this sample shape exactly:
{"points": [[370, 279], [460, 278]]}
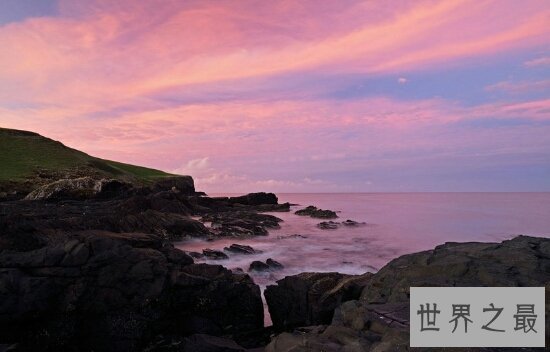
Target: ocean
{"points": [[396, 224]]}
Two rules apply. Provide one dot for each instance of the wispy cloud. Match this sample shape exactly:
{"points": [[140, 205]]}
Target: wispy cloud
{"points": [[230, 91], [512, 87], [541, 61]]}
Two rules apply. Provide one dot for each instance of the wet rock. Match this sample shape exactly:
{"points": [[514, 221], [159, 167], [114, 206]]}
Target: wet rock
{"points": [[291, 236], [333, 225], [328, 225], [379, 320], [258, 266], [214, 254], [314, 212], [114, 292], [273, 264], [241, 223], [243, 217], [310, 298], [352, 223], [241, 249], [270, 264]]}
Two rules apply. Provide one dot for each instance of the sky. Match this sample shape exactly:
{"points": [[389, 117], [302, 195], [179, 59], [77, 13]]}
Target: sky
{"points": [[290, 96]]}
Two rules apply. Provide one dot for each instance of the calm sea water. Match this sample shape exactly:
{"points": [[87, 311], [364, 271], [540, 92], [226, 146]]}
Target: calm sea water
{"points": [[397, 223]]}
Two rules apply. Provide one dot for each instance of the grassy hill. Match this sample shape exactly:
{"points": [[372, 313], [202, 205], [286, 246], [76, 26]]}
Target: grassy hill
{"points": [[29, 158]]}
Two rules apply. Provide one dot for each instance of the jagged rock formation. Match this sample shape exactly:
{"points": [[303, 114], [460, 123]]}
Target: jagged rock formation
{"points": [[310, 298], [379, 321], [314, 212], [115, 292]]}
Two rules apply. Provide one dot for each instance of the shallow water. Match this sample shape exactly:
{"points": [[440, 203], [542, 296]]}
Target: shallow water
{"points": [[397, 223]]}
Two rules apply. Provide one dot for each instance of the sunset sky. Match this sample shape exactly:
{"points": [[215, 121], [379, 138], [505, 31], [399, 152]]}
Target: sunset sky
{"points": [[295, 96]]}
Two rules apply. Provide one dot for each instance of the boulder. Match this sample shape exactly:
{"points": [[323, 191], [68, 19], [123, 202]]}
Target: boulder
{"points": [[270, 264], [314, 212], [115, 292], [258, 266], [310, 298], [273, 264], [241, 249]]}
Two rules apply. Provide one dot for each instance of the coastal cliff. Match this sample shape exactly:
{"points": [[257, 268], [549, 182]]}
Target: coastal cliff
{"points": [[87, 262]]}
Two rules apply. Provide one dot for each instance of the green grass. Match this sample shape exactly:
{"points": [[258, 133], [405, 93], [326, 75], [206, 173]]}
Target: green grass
{"points": [[23, 153]]}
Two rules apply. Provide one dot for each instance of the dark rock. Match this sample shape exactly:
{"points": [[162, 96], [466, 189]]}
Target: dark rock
{"points": [[328, 225], [352, 223], [214, 254], [115, 292], [26, 221], [195, 343], [245, 219], [196, 255], [333, 225], [270, 264], [258, 266], [517, 262], [255, 199], [314, 212], [241, 223], [273, 264], [310, 298], [183, 184], [291, 236], [167, 202], [251, 204], [241, 249], [273, 207], [111, 188]]}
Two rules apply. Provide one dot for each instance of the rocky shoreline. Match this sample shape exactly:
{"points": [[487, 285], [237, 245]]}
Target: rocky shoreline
{"points": [[89, 265]]}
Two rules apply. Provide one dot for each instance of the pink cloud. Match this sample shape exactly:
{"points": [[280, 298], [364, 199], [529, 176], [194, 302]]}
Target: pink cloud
{"points": [[106, 53], [541, 61], [97, 77], [519, 87]]}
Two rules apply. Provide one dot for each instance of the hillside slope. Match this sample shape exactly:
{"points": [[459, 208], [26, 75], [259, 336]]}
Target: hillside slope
{"points": [[28, 159]]}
